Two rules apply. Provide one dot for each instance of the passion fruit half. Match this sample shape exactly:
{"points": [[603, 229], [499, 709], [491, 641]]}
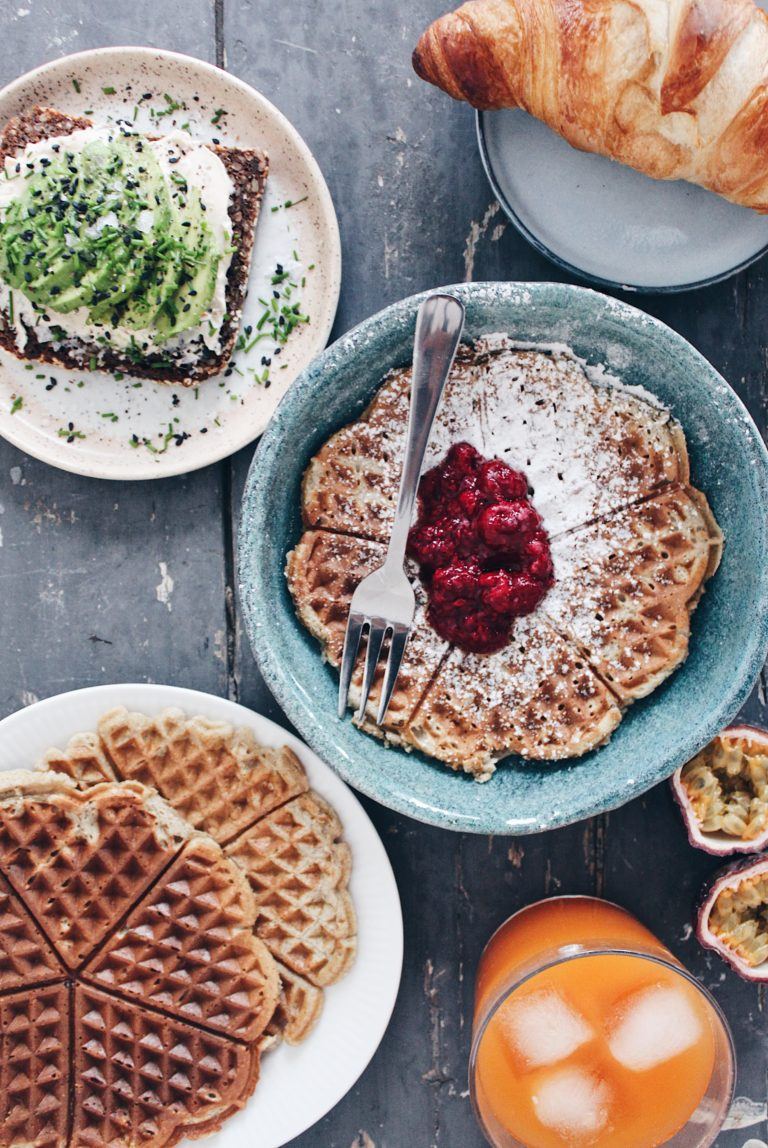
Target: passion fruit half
{"points": [[723, 793], [733, 917]]}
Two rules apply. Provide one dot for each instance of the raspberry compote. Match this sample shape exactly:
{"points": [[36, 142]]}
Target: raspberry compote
{"points": [[482, 549]]}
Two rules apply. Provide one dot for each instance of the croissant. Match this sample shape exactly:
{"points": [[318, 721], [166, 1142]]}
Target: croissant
{"points": [[677, 89]]}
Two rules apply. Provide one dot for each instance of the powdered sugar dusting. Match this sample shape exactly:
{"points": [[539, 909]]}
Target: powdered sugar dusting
{"points": [[595, 452]]}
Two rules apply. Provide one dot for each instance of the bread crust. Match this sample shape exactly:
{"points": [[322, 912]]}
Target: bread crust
{"points": [[248, 170]]}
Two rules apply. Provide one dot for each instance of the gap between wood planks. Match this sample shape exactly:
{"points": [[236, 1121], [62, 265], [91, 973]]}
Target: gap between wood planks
{"points": [[228, 515]]}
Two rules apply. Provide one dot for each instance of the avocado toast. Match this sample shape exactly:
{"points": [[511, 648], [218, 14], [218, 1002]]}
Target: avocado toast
{"points": [[123, 252]]}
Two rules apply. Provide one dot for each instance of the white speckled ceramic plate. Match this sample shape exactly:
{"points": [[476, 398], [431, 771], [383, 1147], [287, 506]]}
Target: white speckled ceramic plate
{"points": [[604, 222], [161, 91], [298, 1085]]}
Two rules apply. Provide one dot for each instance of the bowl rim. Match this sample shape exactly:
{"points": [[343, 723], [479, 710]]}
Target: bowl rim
{"points": [[258, 613]]}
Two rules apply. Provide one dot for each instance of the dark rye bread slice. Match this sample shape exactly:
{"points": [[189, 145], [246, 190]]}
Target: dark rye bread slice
{"points": [[248, 171]]}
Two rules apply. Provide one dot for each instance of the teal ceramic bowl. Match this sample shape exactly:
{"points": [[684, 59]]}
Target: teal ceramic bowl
{"points": [[730, 627]]}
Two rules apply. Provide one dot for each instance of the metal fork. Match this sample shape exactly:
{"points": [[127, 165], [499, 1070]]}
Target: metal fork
{"points": [[384, 603]]}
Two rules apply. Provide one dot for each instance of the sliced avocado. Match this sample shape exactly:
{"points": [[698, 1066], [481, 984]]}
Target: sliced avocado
{"points": [[79, 236], [199, 261]]}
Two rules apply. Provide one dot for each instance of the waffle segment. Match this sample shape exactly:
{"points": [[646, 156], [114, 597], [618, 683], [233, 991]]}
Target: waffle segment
{"points": [[538, 698], [189, 949], [143, 1078], [26, 958], [298, 1010], [586, 450], [79, 859], [351, 484], [218, 778], [323, 571], [625, 587], [83, 760], [299, 872], [34, 1067]]}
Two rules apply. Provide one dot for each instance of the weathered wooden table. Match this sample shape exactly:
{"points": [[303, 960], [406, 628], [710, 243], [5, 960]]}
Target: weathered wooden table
{"points": [[87, 566]]}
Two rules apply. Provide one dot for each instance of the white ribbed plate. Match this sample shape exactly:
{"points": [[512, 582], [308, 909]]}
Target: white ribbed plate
{"points": [[224, 413], [299, 1085]]}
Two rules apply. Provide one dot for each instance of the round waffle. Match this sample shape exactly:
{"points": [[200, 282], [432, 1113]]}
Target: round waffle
{"points": [[256, 802], [632, 544], [135, 992]]}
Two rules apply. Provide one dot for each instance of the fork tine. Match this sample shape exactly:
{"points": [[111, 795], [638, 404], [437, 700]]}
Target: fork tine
{"points": [[375, 639], [396, 650], [355, 623]]}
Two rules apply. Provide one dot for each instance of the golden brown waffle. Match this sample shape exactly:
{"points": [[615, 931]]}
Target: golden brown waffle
{"points": [[633, 544], [143, 1078], [34, 1067], [80, 859], [110, 900], [625, 587], [297, 866], [218, 778], [586, 450], [351, 484], [299, 871], [513, 687], [538, 697], [188, 947], [26, 958], [323, 571]]}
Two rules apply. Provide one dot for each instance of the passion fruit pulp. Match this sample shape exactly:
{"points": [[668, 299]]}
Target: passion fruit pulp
{"points": [[733, 917], [723, 793]]}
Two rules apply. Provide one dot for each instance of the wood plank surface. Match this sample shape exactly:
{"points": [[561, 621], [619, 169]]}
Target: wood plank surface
{"points": [[103, 582]]}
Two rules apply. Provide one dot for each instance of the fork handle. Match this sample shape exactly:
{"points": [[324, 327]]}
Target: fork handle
{"points": [[439, 324]]}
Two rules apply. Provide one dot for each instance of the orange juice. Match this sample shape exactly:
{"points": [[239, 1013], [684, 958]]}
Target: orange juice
{"points": [[589, 1032]]}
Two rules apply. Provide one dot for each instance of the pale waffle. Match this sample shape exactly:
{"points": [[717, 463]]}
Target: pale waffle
{"points": [[625, 587], [288, 845], [216, 777], [632, 543], [299, 872], [147, 996], [323, 571]]}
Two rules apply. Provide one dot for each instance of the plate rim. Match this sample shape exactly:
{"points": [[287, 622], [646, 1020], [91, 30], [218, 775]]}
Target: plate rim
{"points": [[185, 697], [145, 471], [572, 268], [254, 593]]}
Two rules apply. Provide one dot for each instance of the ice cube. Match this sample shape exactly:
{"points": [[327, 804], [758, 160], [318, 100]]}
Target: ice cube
{"points": [[542, 1027], [654, 1025], [573, 1102]]}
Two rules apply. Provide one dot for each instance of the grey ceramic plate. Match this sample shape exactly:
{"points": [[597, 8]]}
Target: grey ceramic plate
{"points": [[607, 223], [730, 627]]}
